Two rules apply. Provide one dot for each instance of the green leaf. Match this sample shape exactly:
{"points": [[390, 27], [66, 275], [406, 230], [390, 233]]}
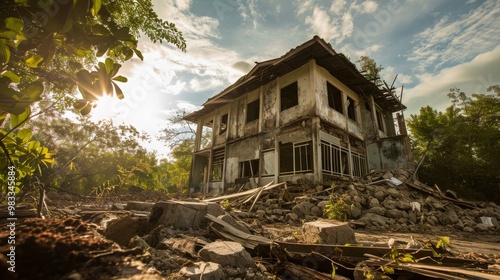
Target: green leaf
{"points": [[86, 110], [17, 120], [407, 258], [33, 61], [14, 24], [32, 92], [96, 7], [5, 52], [100, 29], [128, 53], [13, 77], [120, 79], [24, 134], [109, 65], [80, 104], [387, 270], [139, 54], [118, 91], [443, 240]]}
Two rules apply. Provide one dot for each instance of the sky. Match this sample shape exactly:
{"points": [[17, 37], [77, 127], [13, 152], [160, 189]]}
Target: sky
{"points": [[432, 45]]}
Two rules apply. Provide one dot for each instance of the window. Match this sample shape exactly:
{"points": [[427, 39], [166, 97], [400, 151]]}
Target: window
{"points": [[334, 161], [334, 97], [289, 96], [380, 120], [249, 168], [268, 163], [351, 112], [295, 158], [253, 109], [217, 165], [223, 124]]}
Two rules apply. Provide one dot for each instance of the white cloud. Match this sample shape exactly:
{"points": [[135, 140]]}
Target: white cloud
{"points": [[457, 39], [389, 72], [304, 6], [368, 50], [337, 6], [321, 24], [432, 89], [369, 6], [347, 25]]}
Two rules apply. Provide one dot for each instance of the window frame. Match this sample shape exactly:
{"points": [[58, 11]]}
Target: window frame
{"points": [[290, 92], [256, 110]]}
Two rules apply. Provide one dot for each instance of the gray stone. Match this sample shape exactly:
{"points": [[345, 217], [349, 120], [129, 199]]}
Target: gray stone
{"points": [[374, 219], [302, 209], [374, 202], [328, 232], [260, 213], [356, 210], [394, 213], [404, 205], [389, 204], [182, 214], [322, 204], [380, 195], [227, 253], [230, 220], [137, 241], [412, 217], [316, 211], [481, 227], [203, 270], [292, 216], [394, 192], [377, 210], [468, 229], [300, 199]]}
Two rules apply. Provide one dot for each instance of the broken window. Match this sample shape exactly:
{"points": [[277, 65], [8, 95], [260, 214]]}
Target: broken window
{"points": [[380, 120], [295, 157], [223, 124], [253, 110], [249, 169], [334, 97], [334, 161], [217, 165], [268, 163], [289, 96], [351, 108]]}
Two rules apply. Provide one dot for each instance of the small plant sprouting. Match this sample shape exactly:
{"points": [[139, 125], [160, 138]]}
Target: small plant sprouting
{"points": [[226, 205], [339, 207]]}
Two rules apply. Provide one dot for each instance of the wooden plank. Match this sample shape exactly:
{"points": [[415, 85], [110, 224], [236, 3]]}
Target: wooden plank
{"points": [[249, 192]]}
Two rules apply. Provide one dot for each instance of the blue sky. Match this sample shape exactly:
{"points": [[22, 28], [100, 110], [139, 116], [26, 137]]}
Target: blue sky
{"points": [[432, 45]]}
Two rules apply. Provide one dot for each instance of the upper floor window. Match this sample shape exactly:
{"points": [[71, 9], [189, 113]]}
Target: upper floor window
{"points": [[253, 110], [289, 96], [223, 124], [334, 97], [380, 120], [351, 111]]}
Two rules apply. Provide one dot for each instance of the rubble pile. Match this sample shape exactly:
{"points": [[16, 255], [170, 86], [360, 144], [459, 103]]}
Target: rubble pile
{"points": [[384, 201]]}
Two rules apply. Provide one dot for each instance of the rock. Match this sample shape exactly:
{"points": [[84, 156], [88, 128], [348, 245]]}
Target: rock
{"points": [[394, 192], [328, 232], [481, 227], [374, 219], [292, 216], [468, 229], [380, 195], [302, 209], [434, 203], [404, 205], [207, 270], [183, 214], [227, 253], [300, 199], [489, 221], [377, 210], [118, 206], [389, 204], [316, 211], [412, 217], [260, 213], [322, 204], [121, 230], [394, 213], [374, 202], [356, 210]]}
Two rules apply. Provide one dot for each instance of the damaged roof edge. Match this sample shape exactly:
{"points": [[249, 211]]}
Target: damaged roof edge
{"points": [[312, 49]]}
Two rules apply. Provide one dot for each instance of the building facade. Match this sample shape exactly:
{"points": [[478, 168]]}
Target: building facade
{"points": [[309, 114]]}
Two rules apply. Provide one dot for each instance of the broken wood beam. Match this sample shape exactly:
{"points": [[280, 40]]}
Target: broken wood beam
{"points": [[249, 192]]}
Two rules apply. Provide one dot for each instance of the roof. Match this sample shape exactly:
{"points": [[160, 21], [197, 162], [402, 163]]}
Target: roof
{"points": [[324, 55]]}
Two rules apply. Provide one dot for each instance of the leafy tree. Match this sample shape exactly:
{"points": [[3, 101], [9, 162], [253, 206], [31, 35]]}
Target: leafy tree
{"points": [[461, 144], [179, 169], [50, 49], [370, 69]]}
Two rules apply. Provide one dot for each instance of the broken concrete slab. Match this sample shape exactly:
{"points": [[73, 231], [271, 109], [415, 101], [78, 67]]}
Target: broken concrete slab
{"points": [[202, 270], [182, 214], [328, 232], [227, 253]]}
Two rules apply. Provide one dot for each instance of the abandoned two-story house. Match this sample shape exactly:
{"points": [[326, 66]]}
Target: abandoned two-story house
{"points": [[309, 114]]}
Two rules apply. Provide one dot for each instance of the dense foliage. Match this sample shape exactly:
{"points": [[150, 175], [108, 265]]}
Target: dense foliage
{"points": [[51, 49], [461, 145]]}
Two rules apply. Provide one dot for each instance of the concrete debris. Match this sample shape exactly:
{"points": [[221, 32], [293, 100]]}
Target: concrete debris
{"points": [[328, 232], [202, 270], [227, 253], [139, 206], [182, 214], [122, 230]]}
